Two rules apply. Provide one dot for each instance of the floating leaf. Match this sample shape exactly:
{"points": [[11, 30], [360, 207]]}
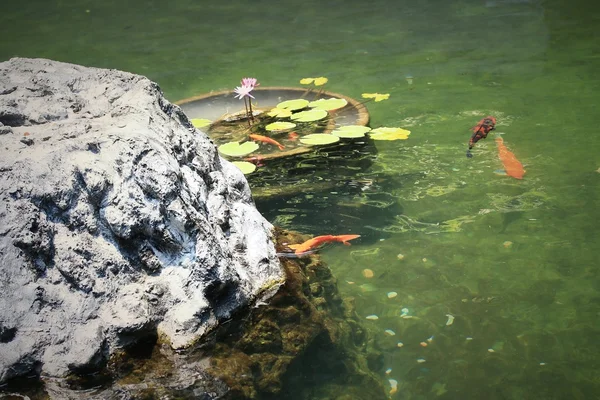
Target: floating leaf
{"points": [[351, 131], [328, 104], [319, 139], [200, 122], [376, 96], [245, 166], [317, 81], [389, 134], [235, 149], [280, 126], [294, 104], [279, 112], [309, 116]]}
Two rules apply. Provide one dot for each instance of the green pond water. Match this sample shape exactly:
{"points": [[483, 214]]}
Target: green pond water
{"points": [[515, 262]]}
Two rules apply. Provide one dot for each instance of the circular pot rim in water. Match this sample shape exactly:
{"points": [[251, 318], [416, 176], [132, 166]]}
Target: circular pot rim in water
{"points": [[216, 105]]}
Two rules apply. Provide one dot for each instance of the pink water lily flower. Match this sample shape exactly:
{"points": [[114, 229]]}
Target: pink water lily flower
{"points": [[252, 82], [243, 91]]}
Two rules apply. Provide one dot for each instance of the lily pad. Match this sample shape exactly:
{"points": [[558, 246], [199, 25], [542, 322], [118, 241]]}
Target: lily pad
{"points": [[376, 96], [351, 131], [317, 81], [245, 166], [309, 116], [319, 139], [328, 104], [200, 122], [389, 134], [280, 112], [294, 104], [235, 149], [280, 126]]}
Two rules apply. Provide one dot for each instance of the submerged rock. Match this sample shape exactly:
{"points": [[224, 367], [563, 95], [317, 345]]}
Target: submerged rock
{"points": [[118, 221], [306, 343]]}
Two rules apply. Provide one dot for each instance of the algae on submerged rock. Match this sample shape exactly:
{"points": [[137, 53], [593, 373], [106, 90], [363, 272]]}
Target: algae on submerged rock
{"points": [[307, 340]]}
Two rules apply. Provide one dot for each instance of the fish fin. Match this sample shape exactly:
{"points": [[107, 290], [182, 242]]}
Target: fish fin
{"points": [[346, 243], [281, 147], [293, 246]]}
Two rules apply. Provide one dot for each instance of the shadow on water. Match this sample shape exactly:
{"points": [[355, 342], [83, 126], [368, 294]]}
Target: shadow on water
{"points": [[332, 190]]}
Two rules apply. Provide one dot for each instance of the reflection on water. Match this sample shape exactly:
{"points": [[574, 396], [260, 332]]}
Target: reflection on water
{"points": [[514, 262], [448, 237]]}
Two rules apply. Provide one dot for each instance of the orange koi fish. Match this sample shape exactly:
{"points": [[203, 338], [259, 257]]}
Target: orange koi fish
{"points": [[264, 139], [512, 166], [480, 131], [293, 136], [319, 240]]}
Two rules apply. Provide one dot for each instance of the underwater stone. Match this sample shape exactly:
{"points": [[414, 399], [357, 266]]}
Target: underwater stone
{"points": [[118, 221], [305, 341]]}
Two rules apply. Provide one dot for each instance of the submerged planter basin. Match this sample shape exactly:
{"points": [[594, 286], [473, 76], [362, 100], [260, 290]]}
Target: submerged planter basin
{"points": [[217, 106]]}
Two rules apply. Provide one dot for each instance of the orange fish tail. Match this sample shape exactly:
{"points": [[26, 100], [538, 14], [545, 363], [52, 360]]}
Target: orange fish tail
{"points": [[512, 165], [345, 238]]}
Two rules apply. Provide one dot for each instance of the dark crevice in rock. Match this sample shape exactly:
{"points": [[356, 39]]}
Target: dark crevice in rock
{"points": [[37, 245], [27, 141], [93, 147], [7, 334], [29, 379], [103, 370], [57, 206], [150, 262], [10, 118], [220, 293], [7, 90], [96, 193], [140, 156]]}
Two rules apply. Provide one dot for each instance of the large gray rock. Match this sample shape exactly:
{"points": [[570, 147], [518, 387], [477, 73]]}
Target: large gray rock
{"points": [[118, 219]]}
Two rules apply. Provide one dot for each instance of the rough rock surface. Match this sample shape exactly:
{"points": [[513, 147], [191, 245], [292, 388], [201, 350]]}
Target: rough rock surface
{"points": [[306, 343], [117, 220]]}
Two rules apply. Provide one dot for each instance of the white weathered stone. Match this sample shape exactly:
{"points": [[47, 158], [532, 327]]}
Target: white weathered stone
{"points": [[117, 219]]}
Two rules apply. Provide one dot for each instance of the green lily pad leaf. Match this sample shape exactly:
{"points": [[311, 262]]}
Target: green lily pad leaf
{"points": [[280, 112], [377, 96], [309, 116], [235, 149], [351, 131], [280, 126], [295, 104], [389, 134], [317, 81], [319, 139], [328, 104], [245, 166], [200, 122]]}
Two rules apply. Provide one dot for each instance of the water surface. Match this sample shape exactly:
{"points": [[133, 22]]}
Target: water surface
{"points": [[515, 262]]}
